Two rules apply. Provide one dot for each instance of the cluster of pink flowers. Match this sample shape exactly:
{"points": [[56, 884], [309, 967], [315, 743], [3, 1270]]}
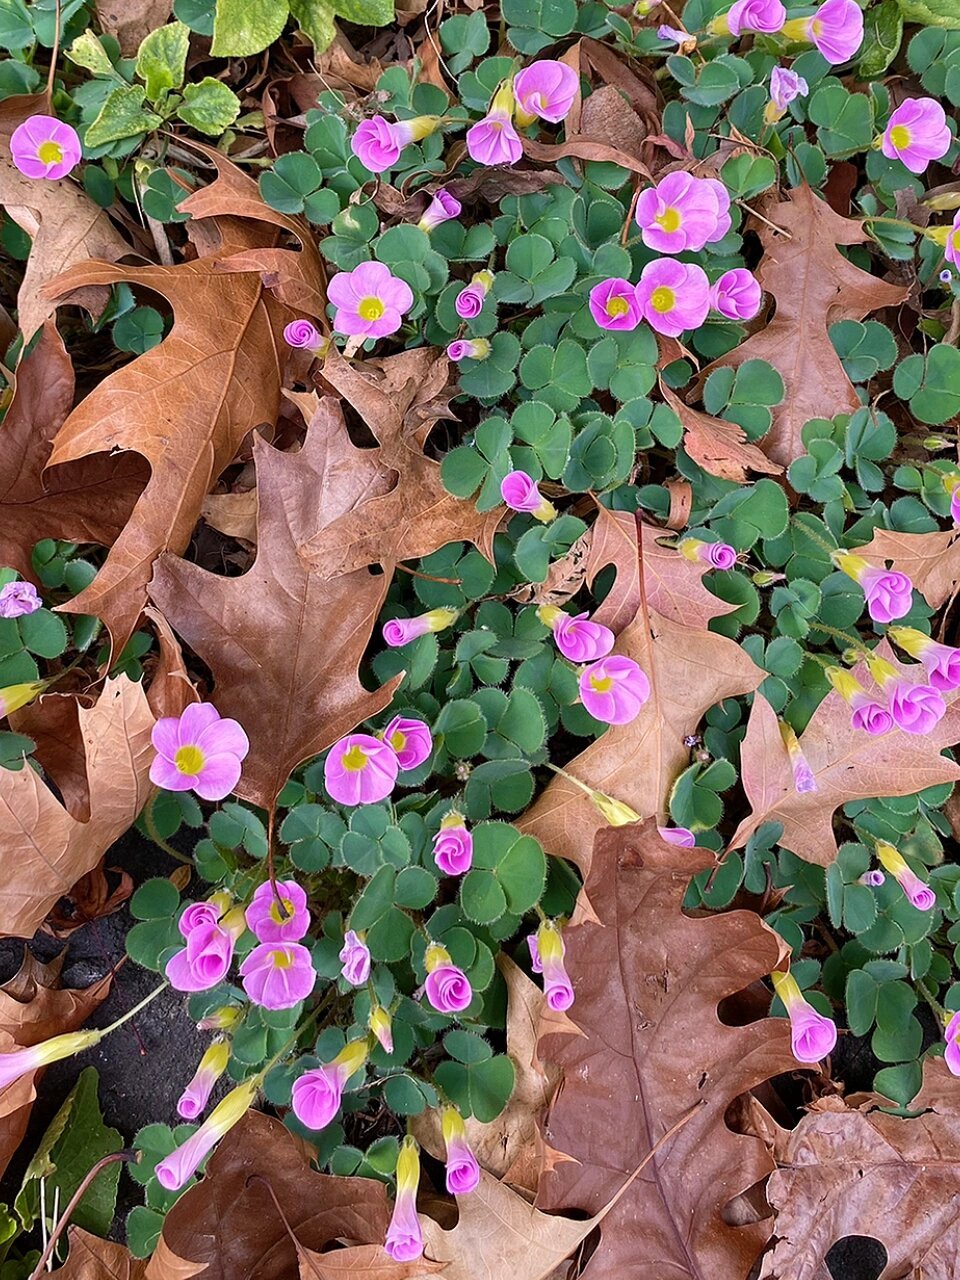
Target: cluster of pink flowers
{"points": [[18, 600], [362, 769], [278, 973], [812, 1035], [547, 950], [210, 930], [913, 708], [613, 688], [545, 90], [198, 751]]}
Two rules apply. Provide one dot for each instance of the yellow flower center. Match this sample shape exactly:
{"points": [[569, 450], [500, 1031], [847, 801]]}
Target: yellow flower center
{"points": [[354, 760], [49, 153], [370, 309], [398, 740], [900, 137], [601, 684], [189, 760], [663, 299], [281, 959], [275, 915], [669, 220], [955, 240], [816, 27], [617, 307]]}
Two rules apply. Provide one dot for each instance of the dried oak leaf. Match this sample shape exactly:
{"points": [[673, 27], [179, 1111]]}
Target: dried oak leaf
{"points": [[283, 641], [227, 1226], [187, 403], [94, 1259], [130, 20], [722, 448], [930, 560], [689, 668], [34, 1007], [642, 1050], [415, 515], [845, 1172], [85, 501], [814, 286], [847, 764], [362, 1262], [46, 849]]}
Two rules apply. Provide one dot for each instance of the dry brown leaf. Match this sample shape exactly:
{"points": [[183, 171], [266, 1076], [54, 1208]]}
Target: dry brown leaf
{"points": [[416, 514], [582, 148], [234, 514], [361, 1262], [66, 227], [643, 1049], [283, 641], [689, 669], [94, 1259], [85, 501], [53, 724], [850, 1172], [722, 448], [814, 286], [608, 117], [187, 403], [930, 560], [33, 1007], [131, 20], [847, 763], [46, 850], [91, 898], [227, 1226]]}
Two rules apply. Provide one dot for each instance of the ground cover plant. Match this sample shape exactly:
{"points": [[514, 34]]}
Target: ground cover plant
{"points": [[479, 502]]}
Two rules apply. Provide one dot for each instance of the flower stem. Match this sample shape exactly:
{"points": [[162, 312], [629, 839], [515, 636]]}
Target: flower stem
{"points": [[934, 1004], [151, 826], [815, 537], [131, 1013], [852, 641]]}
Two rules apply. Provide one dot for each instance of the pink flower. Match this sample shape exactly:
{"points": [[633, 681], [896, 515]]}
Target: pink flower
{"points": [[613, 304], [447, 987], [442, 207], [766, 16], [889, 594], [303, 335], [836, 29], [18, 1062], [872, 879], [785, 86], [679, 836], [917, 133], [673, 34], [469, 301], [468, 349], [547, 957], [265, 919], [683, 213], [955, 503], [812, 1036], [673, 296], [718, 555], [278, 975], [916, 708], [18, 599], [952, 254], [377, 143], [869, 715], [360, 769], [198, 751], [213, 1064], [614, 689], [207, 957], [370, 301], [404, 1240], [381, 1026], [355, 955], [737, 294], [546, 89], [199, 914], [940, 661], [951, 1054], [804, 780], [576, 637], [917, 891], [410, 740], [45, 147], [519, 491], [180, 1166], [400, 631], [494, 140], [463, 1171], [317, 1093], [453, 845]]}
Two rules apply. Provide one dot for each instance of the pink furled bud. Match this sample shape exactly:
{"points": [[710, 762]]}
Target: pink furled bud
{"points": [[868, 714], [917, 891], [19, 600], [441, 208], [377, 143], [916, 133], [400, 631], [207, 957], [940, 661], [469, 301], [675, 35], [469, 349], [764, 16], [613, 304], [889, 593], [178, 1167], [278, 975], [303, 335], [519, 491], [197, 914], [951, 1034], [915, 708], [493, 140], [548, 960], [951, 251], [803, 777], [223, 1019], [736, 295], [447, 987], [360, 769], [872, 879], [317, 1093], [682, 213], [673, 296], [547, 89], [680, 836], [453, 845], [45, 147], [614, 689], [463, 1171], [718, 555], [404, 1241], [786, 86], [836, 30], [18, 1062], [380, 1025], [355, 957], [812, 1036], [575, 635], [265, 918], [213, 1064], [410, 740]]}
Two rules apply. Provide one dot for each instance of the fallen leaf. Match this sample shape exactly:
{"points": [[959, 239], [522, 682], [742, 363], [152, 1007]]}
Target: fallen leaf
{"points": [[234, 514], [582, 148], [283, 641], [34, 1007], [66, 228], [845, 1172], [643, 1047], [227, 1226], [722, 448], [187, 403], [91, 898], [170, 689], [847, 764], [361, 1262], [930, 560], [416, 514], [493, 184], [46, 849], [608, 117], [85, 501], [814, 286], [130, 20]]}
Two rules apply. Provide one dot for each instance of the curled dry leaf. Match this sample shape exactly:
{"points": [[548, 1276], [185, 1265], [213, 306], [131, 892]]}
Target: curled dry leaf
{"points": [[813, 285], [846, 1172], [362, 1262], [284, 642], [643, 1047], [91, 1258], [847, 764], [722, 448], [582, 148], [46, 849], [930, 560]]}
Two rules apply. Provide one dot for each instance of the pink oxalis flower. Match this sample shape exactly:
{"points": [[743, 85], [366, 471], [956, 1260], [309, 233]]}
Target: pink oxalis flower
{"points": [[736, 295], [377, 143], [812, 1035], [447, 987], [469, 301], [680, 836], [360, 769], [575, 635], [673, 296], [916, 133], [278, 975], [19, 600], [453, 845], [208, 954], [400, 631], [917, 891], [410, 740], [764, 16], [613, 304], [718, 555], [519, 491], [915, 708], [836, 30], [494, 140], [302, 335], [468, 349], [889, 593], [682, 213], [951, 1035], [546, 89], [355, 958], [370, 301], [198, 751], [614, 689], [404, 1240], [176, 1169], [45, 147], [940, 661], [442, 207], [193, 1101], [284, 921], [463, 1170], [317, 1093], [546, 955], [786, 86], [868, 714]]}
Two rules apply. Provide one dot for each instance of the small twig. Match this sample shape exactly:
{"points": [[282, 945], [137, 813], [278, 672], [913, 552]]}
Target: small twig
{"points": [[429, 577], [75, 1199], [54, 52], [953, 333], [772, 225]]}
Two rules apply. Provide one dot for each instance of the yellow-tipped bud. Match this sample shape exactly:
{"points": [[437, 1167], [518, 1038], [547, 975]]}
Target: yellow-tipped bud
{"points": [[615, 812], [451, 1124], [503, 102], [548, 614], [845, 683], [15, 696], [440, 619], [408, 1166]]}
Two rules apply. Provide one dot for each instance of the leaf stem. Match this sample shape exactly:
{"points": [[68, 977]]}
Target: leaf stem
{"points": [[150, 823], [852, 641]]}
